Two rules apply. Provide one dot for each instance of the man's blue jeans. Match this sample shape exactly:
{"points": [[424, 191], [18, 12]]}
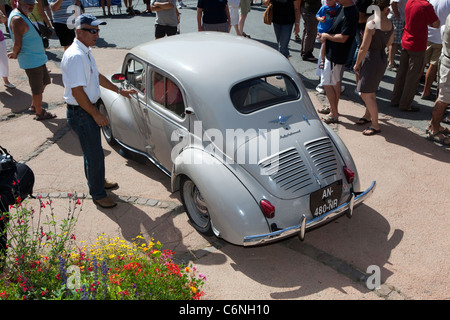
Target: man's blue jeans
{"points": [[89, 135], [283, 35]]}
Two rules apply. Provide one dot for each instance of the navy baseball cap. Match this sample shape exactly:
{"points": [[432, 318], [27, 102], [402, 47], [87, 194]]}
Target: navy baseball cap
{"points": [[88, 19]]}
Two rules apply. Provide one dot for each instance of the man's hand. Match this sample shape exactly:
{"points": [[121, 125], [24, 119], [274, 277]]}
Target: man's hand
{"points": [[127, 92], [12, 55], [100, 119]]}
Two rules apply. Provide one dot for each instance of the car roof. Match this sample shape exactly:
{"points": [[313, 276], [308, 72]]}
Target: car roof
{"points": [[209, 64], [197, 53]]}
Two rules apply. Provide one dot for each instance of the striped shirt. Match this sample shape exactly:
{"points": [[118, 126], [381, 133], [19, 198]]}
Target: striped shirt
{"points": [[65, 11]]}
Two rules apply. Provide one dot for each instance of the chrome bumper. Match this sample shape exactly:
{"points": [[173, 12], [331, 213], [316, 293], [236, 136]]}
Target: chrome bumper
{"points": [[304, 225]]}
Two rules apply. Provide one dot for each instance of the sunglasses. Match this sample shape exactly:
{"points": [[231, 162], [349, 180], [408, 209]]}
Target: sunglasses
{"points": [[92, 31]]}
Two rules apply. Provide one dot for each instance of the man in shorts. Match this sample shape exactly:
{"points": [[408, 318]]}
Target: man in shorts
{"points": [[434, 46], [29, 50], [435, 131], [167, 17], [63, 12], [338, 44]]}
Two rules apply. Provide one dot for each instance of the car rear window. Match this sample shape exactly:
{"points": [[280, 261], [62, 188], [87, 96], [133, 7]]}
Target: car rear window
{"points": [[258, 93]]}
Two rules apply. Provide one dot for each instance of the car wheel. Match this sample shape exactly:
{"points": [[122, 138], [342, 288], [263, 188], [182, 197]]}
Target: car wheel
{"points": [[106, 130], [195, 207]]}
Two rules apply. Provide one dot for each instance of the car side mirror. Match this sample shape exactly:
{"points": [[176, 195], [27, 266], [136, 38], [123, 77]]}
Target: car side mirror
{"points": [[118, 78], [189, 110]]}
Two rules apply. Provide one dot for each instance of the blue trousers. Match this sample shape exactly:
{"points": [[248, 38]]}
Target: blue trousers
{"points": [[89, 135], [283, 35]]}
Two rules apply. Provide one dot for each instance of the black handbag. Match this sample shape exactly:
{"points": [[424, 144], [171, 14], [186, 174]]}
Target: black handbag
{"points": [[46, 31], [16, 180]]}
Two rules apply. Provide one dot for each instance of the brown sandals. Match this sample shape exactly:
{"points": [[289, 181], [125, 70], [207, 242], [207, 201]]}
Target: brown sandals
{"points": [[44, 115]]}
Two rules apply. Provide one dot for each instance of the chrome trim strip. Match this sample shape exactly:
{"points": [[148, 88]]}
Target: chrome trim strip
{"points": [[290, 231], [156, 163]]}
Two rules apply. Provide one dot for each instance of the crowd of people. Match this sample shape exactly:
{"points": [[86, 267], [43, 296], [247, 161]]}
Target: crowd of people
{"points": [[358, 35]]}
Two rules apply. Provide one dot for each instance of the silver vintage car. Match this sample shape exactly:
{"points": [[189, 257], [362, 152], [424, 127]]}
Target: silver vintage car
{"points": [[229, 121]]}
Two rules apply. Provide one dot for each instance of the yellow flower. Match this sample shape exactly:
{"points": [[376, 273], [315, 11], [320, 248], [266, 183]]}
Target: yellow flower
{"points": [[187, 269], [194, 289]]}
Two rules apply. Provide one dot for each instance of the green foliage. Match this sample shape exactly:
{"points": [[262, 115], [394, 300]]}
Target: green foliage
{"points": [[42, 262]]}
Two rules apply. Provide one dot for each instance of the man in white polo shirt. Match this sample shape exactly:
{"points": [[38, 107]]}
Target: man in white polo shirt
{"points": [[82, 83]]}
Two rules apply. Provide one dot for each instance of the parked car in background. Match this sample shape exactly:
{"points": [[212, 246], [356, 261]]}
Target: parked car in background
{"points": [[229, 121]]}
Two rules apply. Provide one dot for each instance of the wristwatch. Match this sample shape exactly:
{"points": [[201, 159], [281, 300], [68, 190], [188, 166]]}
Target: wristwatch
{"points": [[119, 89]]}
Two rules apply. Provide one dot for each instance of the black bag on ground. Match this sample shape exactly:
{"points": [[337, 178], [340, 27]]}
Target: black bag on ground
{"points": [[16, 180], [16, 183]]}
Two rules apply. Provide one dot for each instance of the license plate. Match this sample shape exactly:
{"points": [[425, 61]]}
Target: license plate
{"points": [[325, 199]]}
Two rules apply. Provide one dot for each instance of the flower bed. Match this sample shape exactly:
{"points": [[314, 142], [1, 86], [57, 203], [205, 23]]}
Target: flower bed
{"points": [[42, 262]]}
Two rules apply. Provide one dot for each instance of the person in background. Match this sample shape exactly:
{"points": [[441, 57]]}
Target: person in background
{"points": [[244, 11], [397, 16], [419, 14], [286, 16], [435, 131], [371, 64], [4, 67], [148, 8], [309, 9], [213, 15], [325, 17], [29, 50], [233, 6], [108, 5], [63, 10], [167, 17], [129, 5], [338, 40], [434, 46], [3, 10], [39, 18]]}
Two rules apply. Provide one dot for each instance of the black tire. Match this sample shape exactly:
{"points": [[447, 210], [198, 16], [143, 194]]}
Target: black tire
{"points": [[107, 130], [195, 207]]}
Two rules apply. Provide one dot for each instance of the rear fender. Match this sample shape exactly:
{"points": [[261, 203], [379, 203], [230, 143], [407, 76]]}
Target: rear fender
{"points": [[234, 212]]}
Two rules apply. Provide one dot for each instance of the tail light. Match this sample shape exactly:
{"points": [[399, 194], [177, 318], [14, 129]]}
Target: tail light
{"points": [[267, 208], [349, 175]]}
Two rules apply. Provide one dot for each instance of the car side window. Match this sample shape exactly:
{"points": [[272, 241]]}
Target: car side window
{"points": [[166, 93], [135, 74]]}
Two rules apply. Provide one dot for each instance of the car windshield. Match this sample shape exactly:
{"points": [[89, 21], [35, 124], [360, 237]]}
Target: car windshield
{"points": [[258, 93]]}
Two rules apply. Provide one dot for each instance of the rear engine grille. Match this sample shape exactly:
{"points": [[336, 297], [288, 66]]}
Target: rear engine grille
{"points": [[287, 170], [323, 157]]}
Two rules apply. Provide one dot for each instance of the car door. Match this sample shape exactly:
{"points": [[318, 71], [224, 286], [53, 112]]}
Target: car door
{"points": [[167, 126], [128, 124]]}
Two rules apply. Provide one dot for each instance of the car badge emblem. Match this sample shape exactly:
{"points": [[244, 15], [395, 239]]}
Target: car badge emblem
{"points": [[281, 120]]}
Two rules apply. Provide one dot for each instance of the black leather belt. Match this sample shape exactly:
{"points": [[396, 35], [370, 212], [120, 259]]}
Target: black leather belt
{"points": [[72, 106], [75, 106]]}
